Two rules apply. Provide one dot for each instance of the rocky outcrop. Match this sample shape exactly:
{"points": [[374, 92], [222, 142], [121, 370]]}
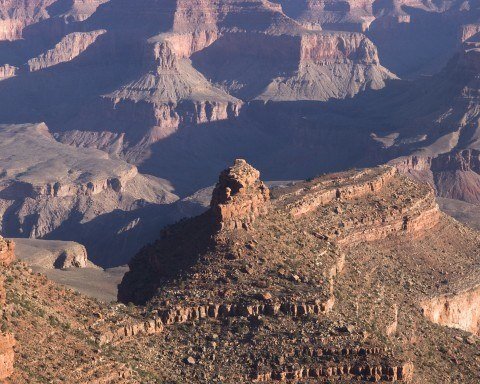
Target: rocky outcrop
{"points": [[412, 221], [181, 315], [370, 181], [7, 71], [7, 355], [376, 373], [70, 47], [327, 61], [239, 196], [457, 310], [7, 251], [327, 48]]}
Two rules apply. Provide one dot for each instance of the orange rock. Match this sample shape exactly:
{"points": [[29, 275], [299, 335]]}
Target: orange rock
{"points": [[239, 196]]}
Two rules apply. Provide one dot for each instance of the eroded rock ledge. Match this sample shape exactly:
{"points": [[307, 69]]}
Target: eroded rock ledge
{"points": [[7, 251], [459, 310], [278, 257], [239, 196]]}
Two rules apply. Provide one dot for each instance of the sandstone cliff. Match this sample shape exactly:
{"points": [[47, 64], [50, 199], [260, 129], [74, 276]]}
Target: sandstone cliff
{"points": [[70, 47], [239, 196]]}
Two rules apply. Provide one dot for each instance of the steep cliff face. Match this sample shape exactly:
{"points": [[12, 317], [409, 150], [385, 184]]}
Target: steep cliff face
{"points": [[70, 47], [336, 65], [457, 310], [239, 196]]}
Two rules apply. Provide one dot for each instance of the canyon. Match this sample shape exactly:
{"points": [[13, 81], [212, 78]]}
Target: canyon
{"points": [[342, 278], [59, 186], [329, 256]]}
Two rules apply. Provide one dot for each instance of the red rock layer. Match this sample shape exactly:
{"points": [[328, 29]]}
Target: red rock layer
{"points": [[239, 196], [7, 251], [7, 341]]}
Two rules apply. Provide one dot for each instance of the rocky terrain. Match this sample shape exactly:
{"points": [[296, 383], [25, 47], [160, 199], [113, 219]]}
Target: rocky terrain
{"points": [[115, 118], [138, 81], [348, 277], [48, 189], [255, 77], [342, 277]]}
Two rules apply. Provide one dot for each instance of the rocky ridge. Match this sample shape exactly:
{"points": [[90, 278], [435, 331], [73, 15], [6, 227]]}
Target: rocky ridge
{"points": [[281, 299], [343, 218], [45, 184]]}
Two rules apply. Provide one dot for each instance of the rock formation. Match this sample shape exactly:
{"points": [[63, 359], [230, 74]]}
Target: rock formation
{"points": [[70, 47], [7, 251], [52, 253], [323, 286], [327, 60], [239, 196], [45, 185], [303, 257]]}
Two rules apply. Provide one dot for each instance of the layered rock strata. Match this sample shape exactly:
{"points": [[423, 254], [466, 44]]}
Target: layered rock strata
{"points": [[334, 213], [44, 185], [457, 310], [239, 196], [70, 47]]}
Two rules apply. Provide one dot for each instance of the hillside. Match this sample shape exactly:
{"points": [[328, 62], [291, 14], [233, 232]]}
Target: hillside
{"points": [[346, 276]]}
